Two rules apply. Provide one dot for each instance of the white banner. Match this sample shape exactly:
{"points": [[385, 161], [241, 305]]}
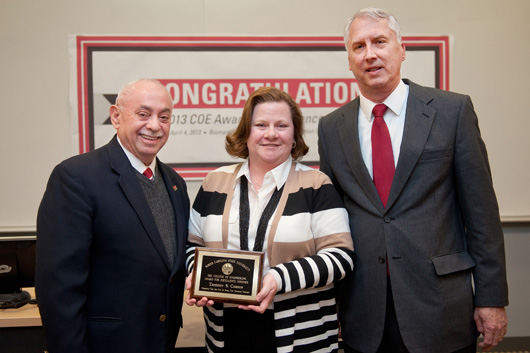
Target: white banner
{"points": [[210, 78]]}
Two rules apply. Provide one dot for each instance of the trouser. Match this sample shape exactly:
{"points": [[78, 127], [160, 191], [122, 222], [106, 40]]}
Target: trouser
{"points": [[392, 341]]}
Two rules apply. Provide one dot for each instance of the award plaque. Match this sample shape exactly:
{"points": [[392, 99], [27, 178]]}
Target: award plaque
{"points": [[227, 276]]}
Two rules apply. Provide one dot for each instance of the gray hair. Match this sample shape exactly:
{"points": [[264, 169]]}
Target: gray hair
{"points": [[374, 13], [126, 89]]}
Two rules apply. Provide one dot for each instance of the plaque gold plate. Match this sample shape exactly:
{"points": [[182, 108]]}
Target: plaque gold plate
{"points": [[227, 276]]}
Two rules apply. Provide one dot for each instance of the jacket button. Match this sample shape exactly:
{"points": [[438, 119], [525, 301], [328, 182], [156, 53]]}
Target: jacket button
{"points": [[381, 260], [387, 219], [162, 318]]}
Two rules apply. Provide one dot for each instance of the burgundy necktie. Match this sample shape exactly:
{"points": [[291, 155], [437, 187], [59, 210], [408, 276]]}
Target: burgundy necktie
{"points": [[148, 173], [382, 155]]}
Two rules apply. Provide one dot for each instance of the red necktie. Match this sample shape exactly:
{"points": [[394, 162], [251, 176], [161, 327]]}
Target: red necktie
{"points": [[382, 155], [148, 173]]}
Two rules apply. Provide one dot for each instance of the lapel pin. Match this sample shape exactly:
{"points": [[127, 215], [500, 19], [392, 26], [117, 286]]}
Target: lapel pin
{"points": [[174, 188]]}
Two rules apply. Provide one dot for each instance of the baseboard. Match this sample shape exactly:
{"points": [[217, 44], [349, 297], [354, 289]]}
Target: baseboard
{"points": [[191, 350]]}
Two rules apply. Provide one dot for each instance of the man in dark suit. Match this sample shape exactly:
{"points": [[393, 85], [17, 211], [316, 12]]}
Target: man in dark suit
{"points": [[111, 241], [421, 239]]}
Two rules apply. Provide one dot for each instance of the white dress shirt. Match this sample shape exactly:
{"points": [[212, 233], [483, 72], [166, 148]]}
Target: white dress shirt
{"points": [[137, 163], [274, 179]]}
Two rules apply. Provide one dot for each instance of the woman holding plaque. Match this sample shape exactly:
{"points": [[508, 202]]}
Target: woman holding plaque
{"points": [[292, 213]]}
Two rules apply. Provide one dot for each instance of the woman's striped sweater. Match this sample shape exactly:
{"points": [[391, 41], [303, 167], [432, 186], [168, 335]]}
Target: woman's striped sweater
{"points": [[309, 249]]}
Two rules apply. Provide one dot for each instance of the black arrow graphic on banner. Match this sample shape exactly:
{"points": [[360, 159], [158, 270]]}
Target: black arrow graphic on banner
{"points": [[111, 98]]}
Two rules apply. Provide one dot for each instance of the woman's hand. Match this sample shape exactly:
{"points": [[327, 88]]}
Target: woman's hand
{"points": [[265, 296], [192, 301]]}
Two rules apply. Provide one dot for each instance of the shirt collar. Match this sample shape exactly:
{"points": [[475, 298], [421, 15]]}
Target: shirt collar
{"points": [[136, 162], [395, 101], [279, 174]]}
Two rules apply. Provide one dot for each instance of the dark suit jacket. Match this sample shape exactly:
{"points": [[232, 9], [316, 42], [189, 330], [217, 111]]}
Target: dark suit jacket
{"points": [[440, 226], [104, 282]]}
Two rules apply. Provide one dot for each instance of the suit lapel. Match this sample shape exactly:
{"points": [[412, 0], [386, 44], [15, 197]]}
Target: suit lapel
{"points": [[130, 185], [348, 130], [418, 122]]}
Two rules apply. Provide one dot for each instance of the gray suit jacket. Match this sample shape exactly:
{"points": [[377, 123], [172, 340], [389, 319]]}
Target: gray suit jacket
{"points": [[440, 226]]}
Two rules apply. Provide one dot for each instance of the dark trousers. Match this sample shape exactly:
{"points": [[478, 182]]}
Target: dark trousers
{"points": [[248, 331], [470, 349], [392, 341]]}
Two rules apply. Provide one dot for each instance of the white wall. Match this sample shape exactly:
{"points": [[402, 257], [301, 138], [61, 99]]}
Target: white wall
{"points": [[489, 63]]}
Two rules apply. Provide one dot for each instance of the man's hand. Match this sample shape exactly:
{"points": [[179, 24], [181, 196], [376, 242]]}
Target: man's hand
{"points": [[492, 323], [192, 301]]}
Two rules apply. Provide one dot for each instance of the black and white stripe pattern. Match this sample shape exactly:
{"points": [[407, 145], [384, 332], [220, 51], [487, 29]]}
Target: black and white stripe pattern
{"points": [[326, 267]]}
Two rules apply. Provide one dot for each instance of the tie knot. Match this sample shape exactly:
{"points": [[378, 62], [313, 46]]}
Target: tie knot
{"points": [[379, 110], [148, 173]]}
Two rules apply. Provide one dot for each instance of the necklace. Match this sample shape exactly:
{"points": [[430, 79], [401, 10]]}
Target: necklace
{"points": [[244, 216]]}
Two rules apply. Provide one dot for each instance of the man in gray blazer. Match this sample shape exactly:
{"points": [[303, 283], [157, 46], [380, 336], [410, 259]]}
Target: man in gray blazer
{"points": [[420, 243]]}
